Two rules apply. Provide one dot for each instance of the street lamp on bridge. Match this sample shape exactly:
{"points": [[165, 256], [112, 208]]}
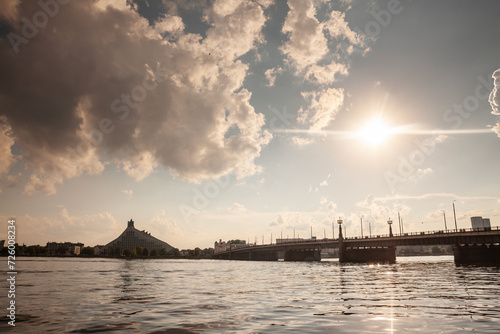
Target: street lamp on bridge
{"points": [[390, 227], [339, 221]]}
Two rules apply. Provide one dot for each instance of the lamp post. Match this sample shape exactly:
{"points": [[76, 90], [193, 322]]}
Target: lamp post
{"points": [[455, 216], [444, 216], [390, 227], [399, 220], [361, 218]]}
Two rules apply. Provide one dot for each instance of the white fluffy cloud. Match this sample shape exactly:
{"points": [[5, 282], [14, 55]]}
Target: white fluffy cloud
{"points": [[293, 220], [302, 141], [237, 207], [272, 73], [323, 107], [312, 49], [309, 50], [495, 94], [378, 214], [98, 84], [307, 44], [495, 99]]}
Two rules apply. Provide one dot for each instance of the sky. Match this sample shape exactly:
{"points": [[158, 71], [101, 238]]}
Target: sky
{"points": [[251, 119]]}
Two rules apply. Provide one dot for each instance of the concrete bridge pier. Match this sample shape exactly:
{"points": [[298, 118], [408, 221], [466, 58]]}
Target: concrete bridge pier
{"points": [[263, 256], [303, 255], [367, 255], [477, 254]]}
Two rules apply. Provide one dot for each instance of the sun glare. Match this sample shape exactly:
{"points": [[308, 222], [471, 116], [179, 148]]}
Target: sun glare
{"points": [[375, 132]]}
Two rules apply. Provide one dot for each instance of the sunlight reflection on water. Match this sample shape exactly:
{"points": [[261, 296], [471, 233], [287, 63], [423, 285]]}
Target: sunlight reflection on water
{"points": [[419, 294]]}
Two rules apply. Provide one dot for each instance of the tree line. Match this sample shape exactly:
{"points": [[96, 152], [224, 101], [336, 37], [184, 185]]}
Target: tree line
{"points": [[138, 252]]}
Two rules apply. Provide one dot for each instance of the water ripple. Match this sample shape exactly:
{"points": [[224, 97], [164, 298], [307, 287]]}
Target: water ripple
{"points": [[416, 295]]}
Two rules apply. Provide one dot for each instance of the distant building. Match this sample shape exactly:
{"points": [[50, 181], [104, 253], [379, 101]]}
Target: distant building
{"points": [[64, 248], [223, 246], [97, 249], [132, 238], [480, 223]]}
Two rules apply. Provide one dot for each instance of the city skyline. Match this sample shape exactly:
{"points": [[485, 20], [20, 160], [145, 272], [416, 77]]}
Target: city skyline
{"points": [[240, 119]]}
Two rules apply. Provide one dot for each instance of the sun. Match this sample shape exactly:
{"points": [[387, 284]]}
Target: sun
{"points": [[375, 132]]}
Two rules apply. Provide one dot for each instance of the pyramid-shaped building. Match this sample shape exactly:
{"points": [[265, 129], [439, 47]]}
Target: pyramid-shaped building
{"points": [[132, 238]]}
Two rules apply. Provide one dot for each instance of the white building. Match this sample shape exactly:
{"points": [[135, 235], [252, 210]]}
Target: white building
{"points": [[480, 223], [64, 248]]}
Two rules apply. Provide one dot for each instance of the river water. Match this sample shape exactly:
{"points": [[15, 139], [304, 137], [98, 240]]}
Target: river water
{"points": [[416, 295]]}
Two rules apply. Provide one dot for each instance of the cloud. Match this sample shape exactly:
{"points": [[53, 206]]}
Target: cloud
{"points": [[309, 50], [99, 228], [99, 85], [432, 195], [495, 94], [8, 9], [272, 73], [165, 227], [237, 207], [325, 74], [436, 215], [266, 3], [420, 173], [293, 220], [319, 52], [441, 138], [494, 100], [302, 141], [323, 108], [337, 27], [128, 193], [378, 214], [307, 44], [6, 156]]}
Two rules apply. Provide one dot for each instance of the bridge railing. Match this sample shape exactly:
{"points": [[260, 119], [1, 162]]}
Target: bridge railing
{"points": [[314, 239], [449, 231]]}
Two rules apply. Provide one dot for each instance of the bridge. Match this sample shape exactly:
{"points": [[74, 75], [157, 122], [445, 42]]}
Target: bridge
{"points": [[471, 246]]}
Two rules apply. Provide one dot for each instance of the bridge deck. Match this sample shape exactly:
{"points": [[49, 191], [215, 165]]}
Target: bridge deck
{"points": [[460, 237]]}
